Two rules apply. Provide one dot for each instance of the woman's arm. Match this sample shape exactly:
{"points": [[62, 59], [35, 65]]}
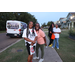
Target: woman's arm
{"points": [[27, 39], [35, 38], [45, 40], [51, 31], [57, 32], [34, 41]]}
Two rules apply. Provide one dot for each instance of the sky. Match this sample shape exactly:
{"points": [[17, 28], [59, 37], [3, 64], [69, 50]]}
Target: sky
{"points": [[44, 17]]}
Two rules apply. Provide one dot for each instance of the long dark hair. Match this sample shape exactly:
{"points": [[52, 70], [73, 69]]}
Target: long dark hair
{"points": [[27, 33], [50, 26]]}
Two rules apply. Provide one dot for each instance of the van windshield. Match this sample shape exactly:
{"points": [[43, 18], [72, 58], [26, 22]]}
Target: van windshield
{"points": [[12, 25]]}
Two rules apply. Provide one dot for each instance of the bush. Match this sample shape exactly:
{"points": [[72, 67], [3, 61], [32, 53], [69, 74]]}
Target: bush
{"points": [[72, 32]]}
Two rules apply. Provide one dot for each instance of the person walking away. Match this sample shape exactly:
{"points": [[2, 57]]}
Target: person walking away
{"points": [[41, 41], [50, 31], [57, 31], [30, 36]]}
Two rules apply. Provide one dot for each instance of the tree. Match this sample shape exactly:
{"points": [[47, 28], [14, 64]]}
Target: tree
{"points": [[49, 23], [44, 25], [4, 16], [25, 17]]}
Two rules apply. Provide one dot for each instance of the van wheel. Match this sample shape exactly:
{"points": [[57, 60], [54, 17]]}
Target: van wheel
{"points": [[21, 36]]}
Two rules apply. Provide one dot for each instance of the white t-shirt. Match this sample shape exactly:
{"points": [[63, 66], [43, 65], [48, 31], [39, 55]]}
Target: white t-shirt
{"points": [[56, 30], [30, 36]]}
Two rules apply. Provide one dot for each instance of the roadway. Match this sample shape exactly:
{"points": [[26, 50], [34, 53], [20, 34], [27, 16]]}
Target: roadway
{"points": [[6, 40]]}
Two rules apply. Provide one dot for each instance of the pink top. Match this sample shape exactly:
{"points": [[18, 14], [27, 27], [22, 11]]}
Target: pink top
{"points": [[40, 36]]}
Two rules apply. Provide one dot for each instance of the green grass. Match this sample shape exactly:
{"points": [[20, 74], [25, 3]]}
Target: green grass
{"points": [[67, 47], [45, 29], [2, 31], [12, 55]]}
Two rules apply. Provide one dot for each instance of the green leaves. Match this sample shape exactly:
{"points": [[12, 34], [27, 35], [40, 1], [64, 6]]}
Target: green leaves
{"points": [[48, 24]]}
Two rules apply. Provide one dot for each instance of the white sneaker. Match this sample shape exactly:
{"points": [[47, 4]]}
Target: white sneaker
{"points": [[57, 48], [36, 58], [46, 46], [41, 60], [52, 47]]}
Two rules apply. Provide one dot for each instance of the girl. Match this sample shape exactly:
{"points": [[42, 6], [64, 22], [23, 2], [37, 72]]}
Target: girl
{"points": [[30, 36], [50, 34], [41, 40]]}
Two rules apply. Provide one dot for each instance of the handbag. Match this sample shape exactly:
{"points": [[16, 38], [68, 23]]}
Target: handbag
{"points": [[53, 36], [31, 50]]}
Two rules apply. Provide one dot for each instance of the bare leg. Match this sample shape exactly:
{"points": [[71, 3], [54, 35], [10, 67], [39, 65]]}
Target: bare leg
{"points": [[30, 57]]}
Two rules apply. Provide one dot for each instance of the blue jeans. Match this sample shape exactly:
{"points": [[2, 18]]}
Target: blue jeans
{"points": [[56, 41]]}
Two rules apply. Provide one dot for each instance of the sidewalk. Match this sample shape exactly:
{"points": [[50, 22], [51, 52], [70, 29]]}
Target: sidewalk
{"points": [[50, 54]]}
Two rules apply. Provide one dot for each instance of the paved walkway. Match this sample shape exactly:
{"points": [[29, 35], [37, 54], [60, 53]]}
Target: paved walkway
{"points": [[50, 54]]}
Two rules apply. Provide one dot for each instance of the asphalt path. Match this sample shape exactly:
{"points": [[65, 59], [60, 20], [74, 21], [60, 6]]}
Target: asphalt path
{"points": [[6, 40]]}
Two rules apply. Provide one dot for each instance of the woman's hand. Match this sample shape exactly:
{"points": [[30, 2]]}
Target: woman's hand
{"points": [[32, 44], [45, 44], [50, 32]]}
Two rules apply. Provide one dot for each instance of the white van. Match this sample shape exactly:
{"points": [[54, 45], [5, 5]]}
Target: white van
{"points": [[15, 28]]}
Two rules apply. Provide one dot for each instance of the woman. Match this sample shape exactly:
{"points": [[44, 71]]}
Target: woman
{"points": [[50, 34], [30, 36], [57, 31], [41, 41]]}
